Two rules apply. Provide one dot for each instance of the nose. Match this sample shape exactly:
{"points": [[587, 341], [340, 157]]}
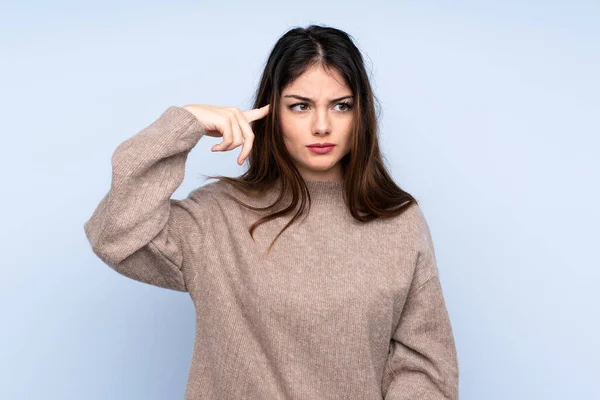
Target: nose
{"points": [[321, 124]]}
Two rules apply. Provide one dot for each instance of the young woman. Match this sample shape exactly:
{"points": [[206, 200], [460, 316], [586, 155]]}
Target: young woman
{"points": [[313, 274]]}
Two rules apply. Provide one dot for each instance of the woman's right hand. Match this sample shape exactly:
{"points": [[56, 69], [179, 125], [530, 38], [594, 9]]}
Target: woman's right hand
{"points": [[230, 123]]}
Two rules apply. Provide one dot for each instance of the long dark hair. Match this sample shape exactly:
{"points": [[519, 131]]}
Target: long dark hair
{"points": [[369, 190]]}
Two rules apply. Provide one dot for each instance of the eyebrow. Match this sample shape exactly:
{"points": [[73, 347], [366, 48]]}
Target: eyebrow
{"points": [[310, 100]]}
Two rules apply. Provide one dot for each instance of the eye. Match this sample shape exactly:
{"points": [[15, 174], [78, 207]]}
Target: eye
{"points": [[297, 104], [347, 106]]}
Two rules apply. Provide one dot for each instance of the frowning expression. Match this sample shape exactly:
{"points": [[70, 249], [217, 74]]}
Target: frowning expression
{"points": [[316, 122]]}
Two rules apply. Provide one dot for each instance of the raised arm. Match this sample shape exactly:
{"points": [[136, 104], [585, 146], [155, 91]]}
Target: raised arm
{"points": [[137, 229]]}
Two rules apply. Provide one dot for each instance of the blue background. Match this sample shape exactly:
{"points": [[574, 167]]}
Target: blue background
{"points": [[490, 117]]}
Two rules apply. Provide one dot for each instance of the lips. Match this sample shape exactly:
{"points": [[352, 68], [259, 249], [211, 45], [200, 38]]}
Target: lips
{"points": [[321, 145], [320, 149]]}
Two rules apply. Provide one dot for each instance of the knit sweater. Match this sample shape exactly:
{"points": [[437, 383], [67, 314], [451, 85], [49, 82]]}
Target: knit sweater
{"points": [[338, 309]]}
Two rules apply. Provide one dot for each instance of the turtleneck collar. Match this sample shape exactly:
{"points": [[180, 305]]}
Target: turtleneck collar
{"points": [[326, 192], [329, 193]]}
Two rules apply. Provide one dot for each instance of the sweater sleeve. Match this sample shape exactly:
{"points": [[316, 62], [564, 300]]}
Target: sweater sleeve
{"points": [[137, 229], [422, 361]]}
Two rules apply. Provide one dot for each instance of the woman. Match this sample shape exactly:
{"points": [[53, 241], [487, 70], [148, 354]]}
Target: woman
{"points": [[313, 274]]}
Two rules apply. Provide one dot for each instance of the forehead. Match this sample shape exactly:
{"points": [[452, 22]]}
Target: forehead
{"points": [[317, 81]]}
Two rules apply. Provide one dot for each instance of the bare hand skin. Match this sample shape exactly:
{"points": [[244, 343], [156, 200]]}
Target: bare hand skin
{"points": [[230, 123]]}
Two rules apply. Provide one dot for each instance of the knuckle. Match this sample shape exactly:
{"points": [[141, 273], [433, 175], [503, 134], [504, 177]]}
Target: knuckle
{"points": [[240, 114]]}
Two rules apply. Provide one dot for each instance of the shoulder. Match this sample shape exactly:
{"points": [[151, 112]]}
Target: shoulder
{"points": [[411, 234], [204, 198], [420, 234], [411, 226], [210, 189], [218, 195], [418, 225]]}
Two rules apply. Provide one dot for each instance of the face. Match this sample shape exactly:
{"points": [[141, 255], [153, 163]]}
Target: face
{"points": [[316, 109]]}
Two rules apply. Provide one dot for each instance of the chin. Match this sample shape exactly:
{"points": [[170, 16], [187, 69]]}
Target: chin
{"points": [[320, 167]]}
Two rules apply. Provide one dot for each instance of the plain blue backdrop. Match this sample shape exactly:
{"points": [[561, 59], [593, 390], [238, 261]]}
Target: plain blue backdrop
{"points": [[490, 117]]}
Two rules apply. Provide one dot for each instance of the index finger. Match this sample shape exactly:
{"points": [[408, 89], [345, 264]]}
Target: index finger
{"points": [[256, 113]]}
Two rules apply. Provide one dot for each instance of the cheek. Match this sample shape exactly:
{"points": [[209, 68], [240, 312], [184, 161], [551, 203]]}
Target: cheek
{"points": [[347, 139], [290, 131]]}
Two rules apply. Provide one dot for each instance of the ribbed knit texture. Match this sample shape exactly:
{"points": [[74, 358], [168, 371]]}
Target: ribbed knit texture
{"points": [[337, 310]]}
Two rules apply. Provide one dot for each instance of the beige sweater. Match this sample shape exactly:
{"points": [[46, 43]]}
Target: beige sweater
{"points": [[337, 310]]}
